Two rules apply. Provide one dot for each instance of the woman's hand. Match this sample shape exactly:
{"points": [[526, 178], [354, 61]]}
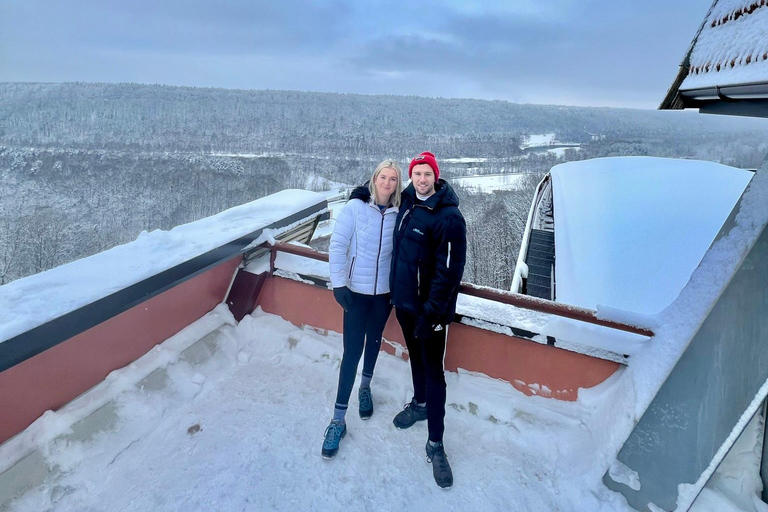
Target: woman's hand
{"points": [[343, 296]]}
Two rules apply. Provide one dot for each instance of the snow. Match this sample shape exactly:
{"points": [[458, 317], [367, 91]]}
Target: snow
{"points": [[677, 324], [714, 190], [32, 301], [243, 431], [631, 230], [325, 228], [464, 160], [735, 41], [559, 152], [736, 485], [538, 140], [492, 182], [578, 336], [620, 473]]}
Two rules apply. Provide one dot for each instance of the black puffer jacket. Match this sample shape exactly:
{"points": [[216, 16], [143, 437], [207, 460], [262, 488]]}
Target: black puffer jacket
{"points": [[429, 254]]}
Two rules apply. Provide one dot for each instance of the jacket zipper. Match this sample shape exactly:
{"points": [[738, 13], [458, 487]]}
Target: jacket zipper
{"points": [[351, 268], [400, 227], [381, 237]]}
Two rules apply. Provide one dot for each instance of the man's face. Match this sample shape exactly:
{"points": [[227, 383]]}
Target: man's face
{"points": [[423, 179]]}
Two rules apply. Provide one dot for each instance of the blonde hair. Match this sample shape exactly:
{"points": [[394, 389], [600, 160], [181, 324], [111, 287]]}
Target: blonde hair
{"points": [[394, 199]]}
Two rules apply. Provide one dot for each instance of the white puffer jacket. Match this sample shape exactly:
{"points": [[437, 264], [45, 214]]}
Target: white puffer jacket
{"points": [[361, 245]]}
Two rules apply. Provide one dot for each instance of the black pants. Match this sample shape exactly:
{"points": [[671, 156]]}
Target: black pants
{"points": [[427, 357], [363, 325]]}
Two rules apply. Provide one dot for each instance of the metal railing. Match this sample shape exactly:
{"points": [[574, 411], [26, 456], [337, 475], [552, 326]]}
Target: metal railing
{"points": [[503, 297]]}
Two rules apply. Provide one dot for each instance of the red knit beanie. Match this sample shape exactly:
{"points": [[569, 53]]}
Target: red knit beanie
{"points": [[425, 158]]}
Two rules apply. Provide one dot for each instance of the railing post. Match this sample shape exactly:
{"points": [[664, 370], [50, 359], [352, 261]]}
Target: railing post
{"points": [[272, 258]]}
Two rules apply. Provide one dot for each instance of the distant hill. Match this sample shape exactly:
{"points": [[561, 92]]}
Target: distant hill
{"points": [[165, 118]]}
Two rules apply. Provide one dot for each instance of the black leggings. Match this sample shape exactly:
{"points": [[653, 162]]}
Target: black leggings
{"points": [[427, 370], [363, 325]]}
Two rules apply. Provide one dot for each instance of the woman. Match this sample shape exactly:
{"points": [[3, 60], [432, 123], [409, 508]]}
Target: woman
{"points": [[360, 256]]}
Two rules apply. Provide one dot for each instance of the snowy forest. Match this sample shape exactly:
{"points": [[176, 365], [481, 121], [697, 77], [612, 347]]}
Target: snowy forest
{"points": [[85, 167]]}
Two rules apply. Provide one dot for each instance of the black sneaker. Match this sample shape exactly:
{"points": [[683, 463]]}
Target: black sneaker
{"points": [[366, 403], [410, 414], [441, 469]]}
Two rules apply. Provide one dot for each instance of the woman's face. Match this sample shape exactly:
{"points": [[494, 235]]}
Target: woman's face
{"points": [[386, 183]]}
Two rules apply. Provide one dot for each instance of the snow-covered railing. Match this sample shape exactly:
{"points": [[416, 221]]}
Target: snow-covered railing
{"points": [[521, 269], [503, 297]]}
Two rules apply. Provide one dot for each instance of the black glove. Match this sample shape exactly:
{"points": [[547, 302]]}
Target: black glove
{"points": [[425, 327], [343, 296]]}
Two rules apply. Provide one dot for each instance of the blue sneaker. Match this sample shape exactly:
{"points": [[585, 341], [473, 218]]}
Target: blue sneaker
{"points": [[333, 436], [366, 403]]}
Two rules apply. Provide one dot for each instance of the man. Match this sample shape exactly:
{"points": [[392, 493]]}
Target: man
{"points": [[427, 265]]}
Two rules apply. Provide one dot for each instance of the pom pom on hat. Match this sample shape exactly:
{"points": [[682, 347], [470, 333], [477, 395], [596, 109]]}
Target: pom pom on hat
{"points": [[425, 158]]}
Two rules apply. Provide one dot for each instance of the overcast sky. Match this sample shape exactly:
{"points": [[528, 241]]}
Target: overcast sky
{"points": [[575, 52]]}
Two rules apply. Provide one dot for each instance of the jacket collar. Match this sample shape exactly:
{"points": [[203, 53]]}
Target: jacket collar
{"points": [[444, 195]]}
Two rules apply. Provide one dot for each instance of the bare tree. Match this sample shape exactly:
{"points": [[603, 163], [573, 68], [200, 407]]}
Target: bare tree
{"points": [[48, 242], [10, 249]]}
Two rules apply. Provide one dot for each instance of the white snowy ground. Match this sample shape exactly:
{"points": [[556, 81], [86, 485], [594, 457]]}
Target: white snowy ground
{"points": [[537, 140], [262, 404], [561, 151], [243, 431], [488, 184]]}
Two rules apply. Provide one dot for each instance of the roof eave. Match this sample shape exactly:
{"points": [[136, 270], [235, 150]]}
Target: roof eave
{"points": [[749, 99]]}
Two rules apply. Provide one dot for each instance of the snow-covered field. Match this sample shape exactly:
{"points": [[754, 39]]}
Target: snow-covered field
{"points": [[490, 183], [537, 140], [559, 152]]}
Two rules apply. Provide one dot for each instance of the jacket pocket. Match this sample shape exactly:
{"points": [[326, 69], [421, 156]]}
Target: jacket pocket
{"points": [[352, 267]]}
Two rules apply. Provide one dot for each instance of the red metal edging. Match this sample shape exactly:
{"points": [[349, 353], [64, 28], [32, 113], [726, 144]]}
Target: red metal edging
{"points": [[503, 297]]}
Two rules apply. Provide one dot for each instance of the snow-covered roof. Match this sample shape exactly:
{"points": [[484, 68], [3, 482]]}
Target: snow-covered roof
{"points": [[727, 60], [732, 47], [630, 231]]}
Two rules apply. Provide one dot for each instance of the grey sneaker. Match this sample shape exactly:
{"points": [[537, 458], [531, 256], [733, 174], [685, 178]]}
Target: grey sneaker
{"points": [[441, 469], [410, 414], [333, 436], [366, 403]]}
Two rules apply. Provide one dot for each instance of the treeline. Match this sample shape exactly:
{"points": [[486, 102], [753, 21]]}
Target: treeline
{"points": [[495, 228], [61, 205], [163, 118]]}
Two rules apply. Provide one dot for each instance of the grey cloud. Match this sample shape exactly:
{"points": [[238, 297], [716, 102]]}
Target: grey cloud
{"points": [[588, 51]]}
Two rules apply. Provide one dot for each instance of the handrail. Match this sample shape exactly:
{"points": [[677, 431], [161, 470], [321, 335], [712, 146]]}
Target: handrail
{"points": [[517, 278], [504, 297]]}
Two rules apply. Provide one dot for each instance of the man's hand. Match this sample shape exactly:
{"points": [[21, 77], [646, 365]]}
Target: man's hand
{"points": [[425, 327], [343, 296]]}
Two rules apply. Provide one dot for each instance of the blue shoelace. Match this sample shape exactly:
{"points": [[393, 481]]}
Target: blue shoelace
{"points": [[333, 435]]}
